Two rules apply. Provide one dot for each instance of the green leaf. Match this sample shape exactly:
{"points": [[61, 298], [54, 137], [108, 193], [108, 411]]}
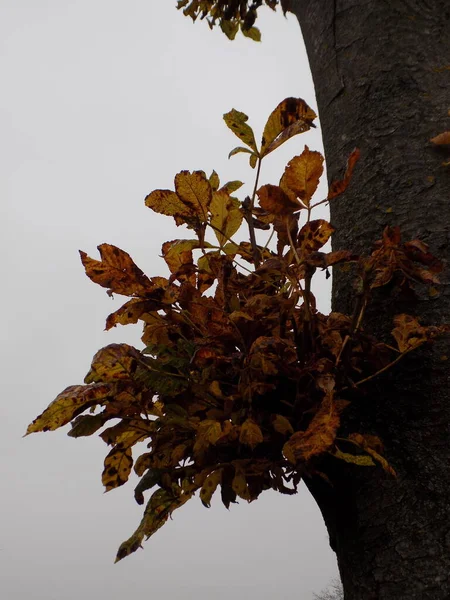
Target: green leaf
{"points": [[84, 425]]}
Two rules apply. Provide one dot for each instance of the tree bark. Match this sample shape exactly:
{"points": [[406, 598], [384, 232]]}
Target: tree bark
{"points": [[382, 77]]}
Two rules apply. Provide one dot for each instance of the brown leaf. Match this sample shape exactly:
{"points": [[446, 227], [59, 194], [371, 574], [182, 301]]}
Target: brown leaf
{"points": [[290, 117], [320, 435], [303, 173], [408, 332], [276, 202], [282, 425], [117, 272], [131, 312], [313, 235], [338, 187], [441, 139]]}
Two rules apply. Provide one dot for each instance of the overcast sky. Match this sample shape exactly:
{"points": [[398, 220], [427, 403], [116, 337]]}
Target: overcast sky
{"points": [[103, 101]]}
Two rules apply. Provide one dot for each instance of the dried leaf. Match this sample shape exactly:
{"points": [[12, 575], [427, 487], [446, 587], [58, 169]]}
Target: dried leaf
{"points": [[116, 361], [251, 434], [360, 459], [303, 173], [226, 216], [319, 436], [209, 487], [276, 202], [290, 117], [441, 139], [195, 191], [68, 404], [117, 272], [313, 235], [338, 187], [118, 464], [237, 122], [282, 425]]}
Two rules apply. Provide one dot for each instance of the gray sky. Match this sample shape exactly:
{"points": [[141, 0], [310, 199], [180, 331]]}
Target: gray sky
{"points": [[103, 101]]}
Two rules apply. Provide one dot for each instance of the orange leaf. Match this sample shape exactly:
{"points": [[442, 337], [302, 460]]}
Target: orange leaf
{"points": [[319, 436], [441, 139], [303, 173], [339, 187], [276, 202]]}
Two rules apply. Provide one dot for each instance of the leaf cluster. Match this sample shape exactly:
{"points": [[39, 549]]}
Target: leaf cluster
{"points": [[242, 381], [230, 15]]}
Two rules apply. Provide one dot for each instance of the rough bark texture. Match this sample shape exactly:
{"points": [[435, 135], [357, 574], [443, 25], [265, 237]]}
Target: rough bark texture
{"points": [[382, 76]]}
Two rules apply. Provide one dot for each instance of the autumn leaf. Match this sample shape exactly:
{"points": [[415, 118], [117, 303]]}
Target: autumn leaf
{"points": [[116, 361], [320, 434], [195, 191], [239, 483], [178, 253], [237, 122], [303, 173], [117, 272], [282, 425], [209, 487], [226, 217], [160, 506], [338, 187], [373, 446], [131, 312], [441, 139], [251, 434], [68, 404], [356, 459], [276, 202], [290, 117], [84, 425], [408, 332], [214, 181], [117, 468], [313, 235]]}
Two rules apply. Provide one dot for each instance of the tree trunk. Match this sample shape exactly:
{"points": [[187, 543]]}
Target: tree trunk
{"points": [[382, 76]]}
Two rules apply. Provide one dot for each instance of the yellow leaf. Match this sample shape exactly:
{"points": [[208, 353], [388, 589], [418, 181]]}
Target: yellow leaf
{"points": [[361, 460], [209, 487], [130, 312], [251, 434], [303, 173], [118, 465], [252, 33], [116, 361], [226, 218], [237, 122], [239, 485], [68, 404], [214, 181], [117, 272], [282, 425], [290, 117], [195, 191], [160, 506], [166, 202]]}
